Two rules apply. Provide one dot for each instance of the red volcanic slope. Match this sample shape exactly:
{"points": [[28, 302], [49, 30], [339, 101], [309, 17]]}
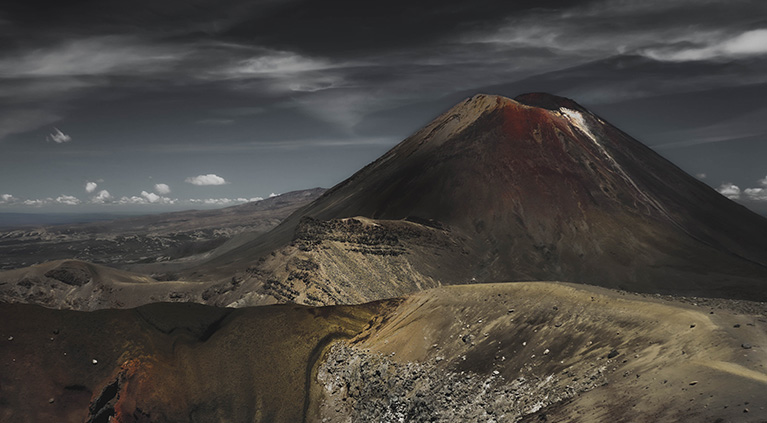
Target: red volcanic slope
{"points": [[539, 188]]}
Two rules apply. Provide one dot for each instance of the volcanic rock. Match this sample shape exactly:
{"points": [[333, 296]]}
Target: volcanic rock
{"points": [[535, 188]]}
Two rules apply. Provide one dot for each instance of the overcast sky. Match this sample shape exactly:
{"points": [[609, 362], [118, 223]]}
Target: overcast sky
{"points": [[156, 105]]}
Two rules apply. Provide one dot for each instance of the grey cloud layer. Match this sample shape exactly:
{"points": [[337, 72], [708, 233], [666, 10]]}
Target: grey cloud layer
{"points": [[341, 60]]}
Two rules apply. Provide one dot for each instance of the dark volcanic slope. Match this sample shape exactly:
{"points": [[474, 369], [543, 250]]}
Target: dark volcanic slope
{"points": [[147, 239], [166, 362], [538, 188]]}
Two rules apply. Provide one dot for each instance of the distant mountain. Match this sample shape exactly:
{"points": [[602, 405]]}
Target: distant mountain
{"points": [[495, 189]]}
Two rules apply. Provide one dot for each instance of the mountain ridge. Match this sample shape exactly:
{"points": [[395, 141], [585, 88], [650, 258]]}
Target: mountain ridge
{"points": [[538, 188], [493, 190]]}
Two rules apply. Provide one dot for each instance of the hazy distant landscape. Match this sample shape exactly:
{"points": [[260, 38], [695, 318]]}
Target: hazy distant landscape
{"points": [[11, 220], [150, 238]]}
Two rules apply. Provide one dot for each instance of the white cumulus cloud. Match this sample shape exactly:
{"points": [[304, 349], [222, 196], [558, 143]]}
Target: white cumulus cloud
{"points": [[91, 187], [102, 197], [37, 203], [147, 198], [209, 179], [68, 200], [7, 198], [132, 200], [59, 137], [150, 196], [729, 190], [162, 189], [757, 194], [223, 201], [212, 201]]}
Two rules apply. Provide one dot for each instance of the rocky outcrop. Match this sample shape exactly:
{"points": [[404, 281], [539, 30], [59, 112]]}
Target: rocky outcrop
{"points": [[352, 260], [363, 386]]}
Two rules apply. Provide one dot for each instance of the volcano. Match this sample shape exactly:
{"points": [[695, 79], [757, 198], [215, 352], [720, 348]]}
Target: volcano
{"points": [[535, 188], [495, 189], [499, 189]]}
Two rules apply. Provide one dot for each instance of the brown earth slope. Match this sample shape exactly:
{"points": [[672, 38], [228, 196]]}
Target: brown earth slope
{"points": [[495, 352], [166, 362], [77, 285], [551, 352]]}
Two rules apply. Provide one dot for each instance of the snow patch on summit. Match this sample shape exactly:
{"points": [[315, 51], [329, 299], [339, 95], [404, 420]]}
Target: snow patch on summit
{"points": [[576, 119]]}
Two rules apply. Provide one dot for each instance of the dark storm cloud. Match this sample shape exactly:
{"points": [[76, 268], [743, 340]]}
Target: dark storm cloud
{"points": [[349, 27], [357, 48], [326, 28]]}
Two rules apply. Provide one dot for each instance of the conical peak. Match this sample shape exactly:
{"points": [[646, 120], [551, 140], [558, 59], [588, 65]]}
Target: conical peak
{"points": [[475, 106], [513, 117], [539, 188], [486, 101], [455, 120], [547, 101], [478, 104]]}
